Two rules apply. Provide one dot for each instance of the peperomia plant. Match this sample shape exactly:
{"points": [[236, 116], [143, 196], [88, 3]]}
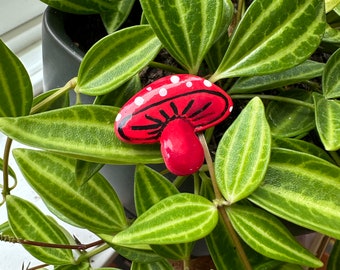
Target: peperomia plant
{"points": [[275, 158]]}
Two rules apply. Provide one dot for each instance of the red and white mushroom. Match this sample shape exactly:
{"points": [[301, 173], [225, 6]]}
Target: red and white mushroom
{"points": [[171, 111]]}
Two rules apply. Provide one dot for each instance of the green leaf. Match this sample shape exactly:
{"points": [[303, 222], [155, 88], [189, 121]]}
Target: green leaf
{"points": [[268, 236], [332, 35], [61, 102], [180, 218], [330, 4], [94, 205], [273, 36], [290, 120], [150, 188], [301, 146], [27, 222], [5, 230], [327, 118], [83, 6], [243, 153], [11, 172], [115, 59], [159, 265], [134, 254], [122, 94], [331, 76], [303, 189], [16, 93], [114, 18], [334, 259], [81, 266], [84, 132], [84, 171], [305, 71], [187, 29]]}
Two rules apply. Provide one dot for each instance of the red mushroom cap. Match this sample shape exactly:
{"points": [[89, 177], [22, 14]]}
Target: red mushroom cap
{"points": [[183, 96], [171, 111]]}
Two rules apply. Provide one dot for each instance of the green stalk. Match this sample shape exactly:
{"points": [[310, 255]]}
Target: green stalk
{"points": [[167, 67], [6, 189], [221, 204], [276, 98], [68, 86], [87, 255], [240, 10]]}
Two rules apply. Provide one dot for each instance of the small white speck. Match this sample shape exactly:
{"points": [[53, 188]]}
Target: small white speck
{"points": [[231, 108], [174, 79], [118, 117], [188, 84], [139, 101], [149, 88], [207, 83], [163, 92]]}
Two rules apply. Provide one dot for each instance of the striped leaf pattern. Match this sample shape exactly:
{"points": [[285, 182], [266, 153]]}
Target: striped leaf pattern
{"points": [[84, 6], [327, 118], [16, 93], [293, 30], [305, 71], [331, 77], [302, 189], [290, 120], [159, 265], [84, 131], [268, 236], [180, 218], [243, 153], [116, 58], [150, 188], [94, 205], [114, 18], [301, 146], [187, 29], [28, 222]]}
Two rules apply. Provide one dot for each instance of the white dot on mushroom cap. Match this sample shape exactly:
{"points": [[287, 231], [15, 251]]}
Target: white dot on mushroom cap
{"points": [[163, 92], [118, 117], [174, 79], [207, 83], [149, 88], [139, 101], [188, 84], [231, 108]]}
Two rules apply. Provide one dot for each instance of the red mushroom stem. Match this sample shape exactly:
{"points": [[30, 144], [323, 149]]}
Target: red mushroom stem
{"points": [[181, 149]]}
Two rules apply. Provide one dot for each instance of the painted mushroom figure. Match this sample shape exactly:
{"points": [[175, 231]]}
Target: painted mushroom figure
{"points": [[172, 110]]}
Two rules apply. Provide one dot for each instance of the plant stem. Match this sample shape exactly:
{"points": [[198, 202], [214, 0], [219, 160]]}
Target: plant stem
{"points": [[49, 245], [240, 9], [93, 252], [221, 204], [167, 67], [186, 264], [236, 240], [68, 86], [38, 267], [6, 189], [276, 98], [210, 164]]}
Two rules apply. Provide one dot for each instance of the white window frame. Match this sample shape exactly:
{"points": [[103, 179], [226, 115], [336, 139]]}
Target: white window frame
{"points": [[20, 29]]}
